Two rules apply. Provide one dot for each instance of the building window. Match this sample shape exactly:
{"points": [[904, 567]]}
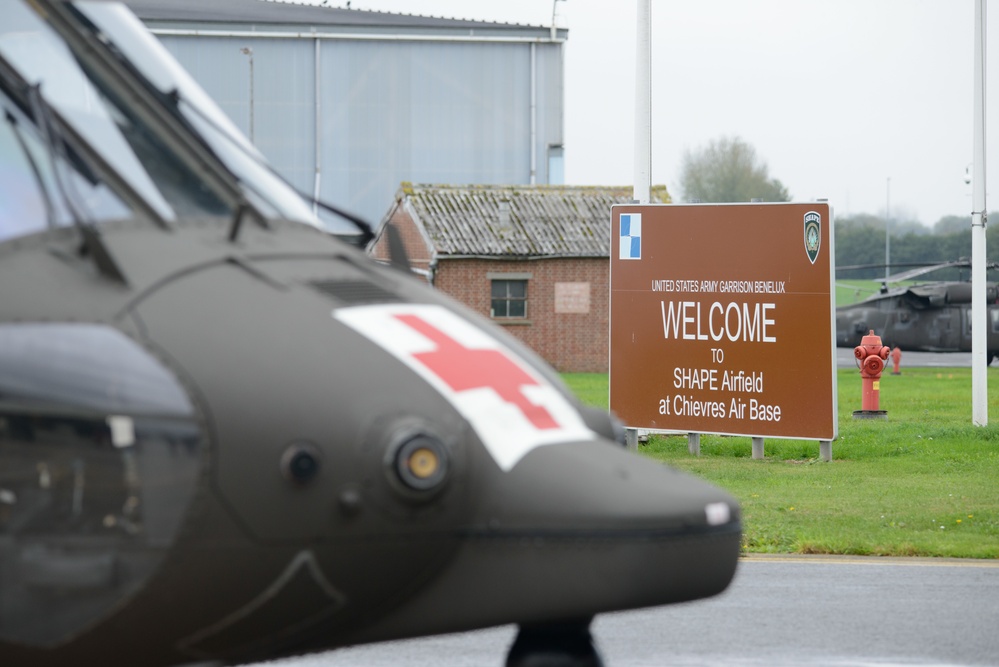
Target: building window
{"points": [[556, 164], [509, 299]]}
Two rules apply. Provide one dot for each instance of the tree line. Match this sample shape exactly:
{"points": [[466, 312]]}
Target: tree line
{"points": [[860, 239], [728, 170]]}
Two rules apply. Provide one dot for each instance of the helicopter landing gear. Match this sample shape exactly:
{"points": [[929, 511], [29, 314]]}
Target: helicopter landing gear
{"points": [[561, 644]]}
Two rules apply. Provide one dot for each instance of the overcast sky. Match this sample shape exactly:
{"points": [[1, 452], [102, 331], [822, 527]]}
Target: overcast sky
{"points": [[836, 96]]}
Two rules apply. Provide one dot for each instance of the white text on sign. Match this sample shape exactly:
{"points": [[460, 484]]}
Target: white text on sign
{"points": [[734, 321]]}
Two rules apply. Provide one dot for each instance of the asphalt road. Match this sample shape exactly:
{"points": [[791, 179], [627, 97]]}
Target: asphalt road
{"points": [[780, 611]]}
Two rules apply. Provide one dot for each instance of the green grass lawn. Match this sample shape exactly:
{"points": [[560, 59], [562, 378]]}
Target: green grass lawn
{"points": [[925, 482]]}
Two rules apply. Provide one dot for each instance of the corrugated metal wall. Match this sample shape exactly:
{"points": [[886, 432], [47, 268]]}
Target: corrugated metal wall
{"points": [[389, 111]]}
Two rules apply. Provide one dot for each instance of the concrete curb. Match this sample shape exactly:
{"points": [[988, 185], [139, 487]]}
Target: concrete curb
{"points": [[835, 559]]}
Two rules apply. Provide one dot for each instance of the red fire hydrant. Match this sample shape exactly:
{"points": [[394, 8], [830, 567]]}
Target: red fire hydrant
{"points": [[896, 360], [871, 356]]}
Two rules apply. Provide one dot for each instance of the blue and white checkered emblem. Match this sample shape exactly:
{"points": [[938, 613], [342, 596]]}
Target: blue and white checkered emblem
{"points": [[631, 236]]}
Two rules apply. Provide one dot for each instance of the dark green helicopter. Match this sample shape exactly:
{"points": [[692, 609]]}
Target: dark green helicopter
{"points": [[927, 317], [226, 434]]}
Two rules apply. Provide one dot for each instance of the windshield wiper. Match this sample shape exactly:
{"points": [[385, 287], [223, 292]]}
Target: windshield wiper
{"points": [[86, 159], [366, 232], [93, 245], [43, 188]]}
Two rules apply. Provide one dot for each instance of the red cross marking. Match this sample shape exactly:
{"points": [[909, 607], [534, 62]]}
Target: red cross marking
{"points": [[463, 368]]}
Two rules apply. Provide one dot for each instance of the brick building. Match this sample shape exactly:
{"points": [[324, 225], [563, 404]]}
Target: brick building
{"points": [[533, 258]]}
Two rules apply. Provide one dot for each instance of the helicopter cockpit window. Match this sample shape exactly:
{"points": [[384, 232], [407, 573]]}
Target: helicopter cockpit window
{"points": [[29, 199], [100, 453], [129, 36], [69, 101]]}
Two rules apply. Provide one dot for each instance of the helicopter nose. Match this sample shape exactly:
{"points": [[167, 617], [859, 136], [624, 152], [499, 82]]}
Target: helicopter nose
{"points": [[565, 523], [594, 487], [577, 529]]}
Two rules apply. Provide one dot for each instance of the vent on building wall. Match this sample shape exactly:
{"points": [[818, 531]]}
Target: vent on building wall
{"points": [[354, 291]]}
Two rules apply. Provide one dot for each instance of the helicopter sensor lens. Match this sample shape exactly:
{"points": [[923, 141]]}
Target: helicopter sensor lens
{"points": [[300, 462], [303, 466], [421, 463]]}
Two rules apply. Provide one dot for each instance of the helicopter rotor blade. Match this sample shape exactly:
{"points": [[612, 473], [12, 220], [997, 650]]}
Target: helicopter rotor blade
{"points": [[921, 268]]}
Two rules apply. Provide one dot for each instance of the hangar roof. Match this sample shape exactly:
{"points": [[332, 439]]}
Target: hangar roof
{"points": [[267, 14], [516, 220]]}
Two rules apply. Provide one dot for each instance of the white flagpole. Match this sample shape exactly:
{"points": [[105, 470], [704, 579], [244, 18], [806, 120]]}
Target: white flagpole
{"points": [[979, 338], [643, 104]]}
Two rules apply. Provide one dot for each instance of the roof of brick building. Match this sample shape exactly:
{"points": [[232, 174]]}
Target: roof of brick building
{"points": [[517, 220]]}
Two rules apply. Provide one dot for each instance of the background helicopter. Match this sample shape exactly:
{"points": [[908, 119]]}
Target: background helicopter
{"points": [[925, 317], [228, 435]]}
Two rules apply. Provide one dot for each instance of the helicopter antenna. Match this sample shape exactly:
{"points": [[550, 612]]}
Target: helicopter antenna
{"points": [[237, 222]]}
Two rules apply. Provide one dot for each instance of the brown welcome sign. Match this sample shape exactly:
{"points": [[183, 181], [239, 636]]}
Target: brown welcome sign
{"points": [[722, 319]]}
